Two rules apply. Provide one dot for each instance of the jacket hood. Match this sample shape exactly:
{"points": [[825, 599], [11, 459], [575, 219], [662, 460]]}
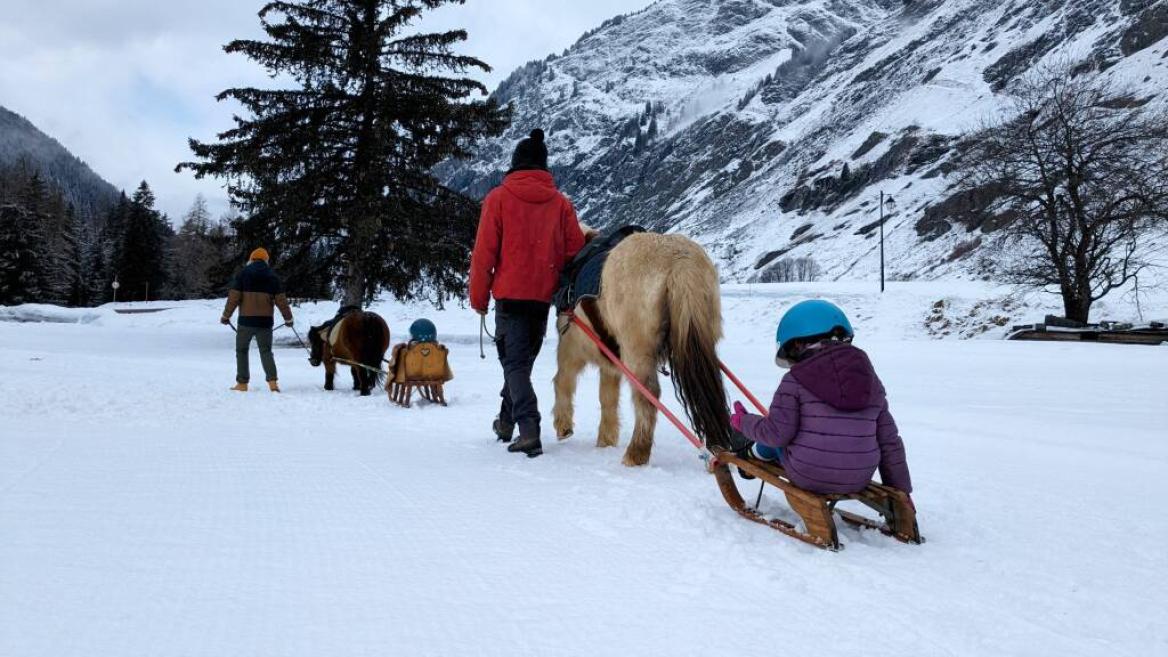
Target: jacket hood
{"points": [[840, 375], [531, 186]]}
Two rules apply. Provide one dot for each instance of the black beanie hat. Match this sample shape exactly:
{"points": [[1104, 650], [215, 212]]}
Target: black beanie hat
{"points": [[531, 153]]}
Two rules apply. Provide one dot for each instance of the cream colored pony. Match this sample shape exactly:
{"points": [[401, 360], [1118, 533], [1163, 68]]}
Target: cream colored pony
{"points": [[659, 303]]}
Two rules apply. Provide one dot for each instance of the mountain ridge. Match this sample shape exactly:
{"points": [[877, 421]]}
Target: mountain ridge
{"points": [[23, 144], [767, 128]]}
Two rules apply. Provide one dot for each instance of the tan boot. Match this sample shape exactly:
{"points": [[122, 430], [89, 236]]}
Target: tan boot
{"points": [[240, 387], [274, 386]]}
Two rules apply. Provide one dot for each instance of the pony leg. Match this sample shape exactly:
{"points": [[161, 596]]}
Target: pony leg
{"points": [[567, 375], [641, 445], [356, 378], [609, 435], [330, 372]]}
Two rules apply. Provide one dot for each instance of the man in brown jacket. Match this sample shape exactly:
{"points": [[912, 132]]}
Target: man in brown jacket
{"points": [[256, 292]]}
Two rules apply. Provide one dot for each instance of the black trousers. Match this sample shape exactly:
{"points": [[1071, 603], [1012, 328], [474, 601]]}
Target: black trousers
{"points": [[520, 327]]}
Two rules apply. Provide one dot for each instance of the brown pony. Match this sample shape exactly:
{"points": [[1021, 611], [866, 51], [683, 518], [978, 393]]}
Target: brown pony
{"points": [[357, 337], [659, 303]]}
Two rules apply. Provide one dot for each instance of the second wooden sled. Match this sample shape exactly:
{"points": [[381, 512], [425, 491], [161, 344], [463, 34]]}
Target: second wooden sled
{"points": [[818, 511], [421, 366]]}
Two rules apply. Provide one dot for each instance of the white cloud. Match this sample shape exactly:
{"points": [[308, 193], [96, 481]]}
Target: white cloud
{"points": [[124, 83]]}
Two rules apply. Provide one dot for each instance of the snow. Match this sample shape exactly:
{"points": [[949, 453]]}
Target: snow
{"points": [[146, 510]]}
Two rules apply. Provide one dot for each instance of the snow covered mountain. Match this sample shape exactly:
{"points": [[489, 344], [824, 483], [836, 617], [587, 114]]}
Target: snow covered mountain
{"points": [[767, 128], [22, 143]]}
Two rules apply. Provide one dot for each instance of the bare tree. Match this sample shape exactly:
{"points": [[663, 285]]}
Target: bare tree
{"points": [[1080, 174], [789, 270]]}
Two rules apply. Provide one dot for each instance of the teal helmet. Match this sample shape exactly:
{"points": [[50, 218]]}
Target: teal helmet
{"points": [[423, 330], [809, 319]]}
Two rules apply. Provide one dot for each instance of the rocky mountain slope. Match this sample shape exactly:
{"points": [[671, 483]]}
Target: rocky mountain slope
{"points": [[22, 144], [768, 128]]}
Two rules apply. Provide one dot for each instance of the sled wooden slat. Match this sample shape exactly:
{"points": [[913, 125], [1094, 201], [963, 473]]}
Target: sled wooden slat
{"points": [[402, 393], [818, 511]]}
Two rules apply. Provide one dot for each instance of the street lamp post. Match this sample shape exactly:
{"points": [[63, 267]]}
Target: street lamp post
{"points": [[884, 200], [115, 285]]}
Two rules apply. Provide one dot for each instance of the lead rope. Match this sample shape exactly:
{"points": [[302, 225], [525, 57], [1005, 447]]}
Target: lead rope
{"points": [[483, 331], [301, 340]]}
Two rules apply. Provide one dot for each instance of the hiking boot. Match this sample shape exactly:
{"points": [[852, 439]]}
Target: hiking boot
{"points": [[530, 445], [274, 386], [503, 430], [239, 387]]}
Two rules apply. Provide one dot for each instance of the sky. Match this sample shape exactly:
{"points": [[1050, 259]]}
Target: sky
{"points": [[124, 83]]}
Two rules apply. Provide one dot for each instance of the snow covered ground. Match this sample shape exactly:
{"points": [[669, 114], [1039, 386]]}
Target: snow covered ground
{"points": [[146, 510]]}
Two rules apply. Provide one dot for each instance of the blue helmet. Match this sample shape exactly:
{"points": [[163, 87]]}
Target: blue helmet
{"points": [[423, 330], [812, 318]]}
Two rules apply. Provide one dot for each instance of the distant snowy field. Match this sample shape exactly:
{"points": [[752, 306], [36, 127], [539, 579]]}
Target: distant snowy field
{"points": [[145, 510]]}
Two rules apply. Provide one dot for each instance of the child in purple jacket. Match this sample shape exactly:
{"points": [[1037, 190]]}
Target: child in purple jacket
{"points": [[829, 423]]}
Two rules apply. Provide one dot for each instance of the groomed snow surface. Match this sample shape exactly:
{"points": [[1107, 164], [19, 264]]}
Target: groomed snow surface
{"points": [[145, 510]]}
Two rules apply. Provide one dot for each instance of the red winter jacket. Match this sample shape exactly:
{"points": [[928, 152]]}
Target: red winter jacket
{"points": [[527, 233]]}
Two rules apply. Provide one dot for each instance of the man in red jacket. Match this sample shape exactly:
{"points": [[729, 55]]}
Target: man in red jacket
{"points": [[527, 234]]}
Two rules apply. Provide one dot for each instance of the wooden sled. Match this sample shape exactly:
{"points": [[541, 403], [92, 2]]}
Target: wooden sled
{"points": [[818, 511], [421, 366]]}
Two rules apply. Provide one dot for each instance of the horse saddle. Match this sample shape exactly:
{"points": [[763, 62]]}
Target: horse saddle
{"points": [[421, 361], [333, 333], [330, 331], [581, 278]]}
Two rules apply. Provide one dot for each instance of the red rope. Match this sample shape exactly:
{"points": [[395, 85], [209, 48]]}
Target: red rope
{"points": [[637, 383], [754, 400]]}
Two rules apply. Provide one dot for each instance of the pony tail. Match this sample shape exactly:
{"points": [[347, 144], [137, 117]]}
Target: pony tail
{"points": [[374, 342], [695, 326]]}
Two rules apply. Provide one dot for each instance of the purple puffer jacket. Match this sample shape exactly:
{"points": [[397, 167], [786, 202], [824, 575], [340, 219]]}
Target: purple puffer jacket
{"points": [[831, 418]]}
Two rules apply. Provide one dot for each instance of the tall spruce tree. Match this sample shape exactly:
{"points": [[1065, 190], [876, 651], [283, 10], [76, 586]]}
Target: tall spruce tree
{"points": [[195, 254], [142, 264], [22, 275], [98, 266], [339, 168], [70, 259], [40, 225]]}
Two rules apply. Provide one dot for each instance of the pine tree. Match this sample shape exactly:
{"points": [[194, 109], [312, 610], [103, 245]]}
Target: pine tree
{"points": [[21, 264], [110, 240], [195, 255], [141, 265], [69, 260], [98, 271], [339, 167], [34, 200]]}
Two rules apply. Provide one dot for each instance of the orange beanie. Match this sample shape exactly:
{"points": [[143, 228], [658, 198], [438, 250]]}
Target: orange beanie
{"points": [[259, 254]]}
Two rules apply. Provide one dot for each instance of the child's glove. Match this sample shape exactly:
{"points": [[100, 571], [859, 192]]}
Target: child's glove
{"points": [[738, 415]]}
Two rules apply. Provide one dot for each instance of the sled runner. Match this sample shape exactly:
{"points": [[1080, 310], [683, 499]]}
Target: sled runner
{"points": [[421, 366], [817, 510]]}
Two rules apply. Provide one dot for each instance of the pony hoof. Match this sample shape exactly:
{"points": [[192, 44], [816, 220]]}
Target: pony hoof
{"points": [[604, 443], [565, 434], [634, 461]]}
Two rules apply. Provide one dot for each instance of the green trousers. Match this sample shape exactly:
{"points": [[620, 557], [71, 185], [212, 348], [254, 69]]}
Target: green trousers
{"points": [[263, 338]]}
